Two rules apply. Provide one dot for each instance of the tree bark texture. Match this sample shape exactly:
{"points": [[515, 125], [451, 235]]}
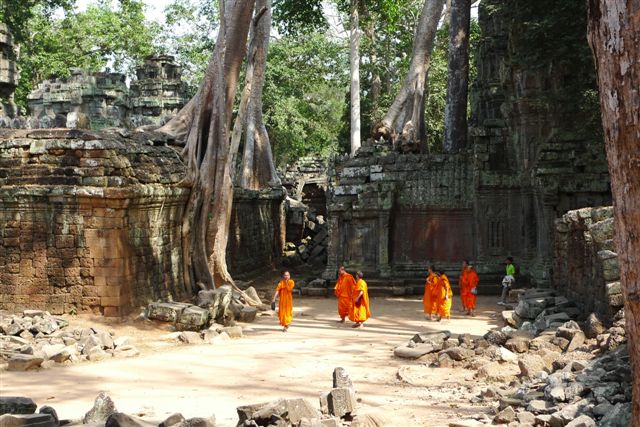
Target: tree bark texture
{"points": [[258, 169], [205, 121], [403, 124], [455, 112], [614, 36], [354, 58]]}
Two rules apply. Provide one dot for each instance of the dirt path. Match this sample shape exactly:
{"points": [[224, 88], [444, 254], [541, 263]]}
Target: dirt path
{"points": [[267, 364]]}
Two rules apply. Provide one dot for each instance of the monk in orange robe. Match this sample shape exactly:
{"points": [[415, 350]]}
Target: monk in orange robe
{"points": [[445, 297], [468, 287], [284, 290], [428, 300], [343, 291], [360, 295]]}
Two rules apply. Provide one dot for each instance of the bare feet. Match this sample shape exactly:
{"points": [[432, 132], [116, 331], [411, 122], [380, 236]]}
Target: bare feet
{"points": [[341, 320], [285, 329], [356, 325]]}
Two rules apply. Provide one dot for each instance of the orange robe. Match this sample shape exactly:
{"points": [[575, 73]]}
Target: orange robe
{"points": [[468, 280], [285, 306], [361, 312], [343, 289], [446, 294], [429, 298]]}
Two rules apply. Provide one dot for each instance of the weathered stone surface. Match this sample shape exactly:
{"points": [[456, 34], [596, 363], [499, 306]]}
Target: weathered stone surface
{"points": [[505, 416], [341, 402], [233, 331], [192, 318], [165, 311], [593, 326], [119, 419], [341, 378], [27, 420], [17, 405], [531, 364], [24, 362], [518, 344], [190, 337], [102, 408], [582, 421], [459, 353], [415, 352], [290, 411], [576, 342], [48, 410], [172, 420]]}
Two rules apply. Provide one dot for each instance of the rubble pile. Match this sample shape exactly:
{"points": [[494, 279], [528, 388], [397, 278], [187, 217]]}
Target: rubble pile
{"points": [[224, 306], [338, 408], [36, 339], [312, 247], [553, 370]]}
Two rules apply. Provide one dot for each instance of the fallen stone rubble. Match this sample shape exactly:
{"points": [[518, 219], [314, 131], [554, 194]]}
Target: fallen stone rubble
{"points": [[312, 248], [338, 408], [549, 369], [36, 339], [224, 306]]}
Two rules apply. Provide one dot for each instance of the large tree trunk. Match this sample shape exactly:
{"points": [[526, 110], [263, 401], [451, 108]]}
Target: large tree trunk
{"points": [[258, 168], [455, 112], [205, 121], [614, 36], [354, 57], [404, 123]]}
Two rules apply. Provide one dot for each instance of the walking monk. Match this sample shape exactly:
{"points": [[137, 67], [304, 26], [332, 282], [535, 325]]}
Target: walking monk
{"points": [[360, 301], [285, 306], [444, 297], [468, 287], [343, 290], [430, 293]]}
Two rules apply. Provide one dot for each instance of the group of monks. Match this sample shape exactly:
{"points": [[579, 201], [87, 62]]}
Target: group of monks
{"points": [[438, 295], [353, 296]]}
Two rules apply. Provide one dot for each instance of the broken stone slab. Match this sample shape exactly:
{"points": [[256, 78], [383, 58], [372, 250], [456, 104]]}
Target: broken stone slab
{"points": [[50, 350], [102, 408], [192, 318], [233, 331], [510, 318], [593, 326], [291, 411], [459, 353], [126, 351], [166, 311], [539, 406], [190, 337], [171, 420], [505, 416], [416, 352], [90, 342], [120, 419], [518, 344], [530, 308], [370, 419], [582, 421], [340, 402], [431, 337], [27, 420], [17, 405], [498, 372], [97, 353], [576, 342], [496, 337], [532, 364], [120, 341], [50, 411], [198, 422], [247, 314], [341, 378], [24, 362]]}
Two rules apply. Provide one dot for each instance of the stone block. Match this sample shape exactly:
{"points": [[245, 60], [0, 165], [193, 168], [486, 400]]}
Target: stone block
{"points": [[30, 420], [24, 362], [341, 402], [166, 311], [17, 405], [192, 318], [233, 331]]}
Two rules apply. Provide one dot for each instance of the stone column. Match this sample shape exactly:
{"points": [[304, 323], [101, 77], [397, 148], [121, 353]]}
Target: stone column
{"points": [[383, 244], [333, 248]]}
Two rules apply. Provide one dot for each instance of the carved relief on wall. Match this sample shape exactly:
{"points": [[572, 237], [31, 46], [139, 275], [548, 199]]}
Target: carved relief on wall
{"points": [[422, 235]]}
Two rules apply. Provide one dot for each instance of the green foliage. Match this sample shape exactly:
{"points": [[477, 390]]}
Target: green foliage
{"points": [[18, 13], [306, 79], [293, 17], [189, 34], [106, 34]]}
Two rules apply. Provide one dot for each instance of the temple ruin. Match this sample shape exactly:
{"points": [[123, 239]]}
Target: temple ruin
{"points": [[90, 218], [8, 77]]}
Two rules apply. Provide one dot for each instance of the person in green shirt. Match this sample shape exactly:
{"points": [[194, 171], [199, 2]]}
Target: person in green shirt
{"points": [[508, 281]]}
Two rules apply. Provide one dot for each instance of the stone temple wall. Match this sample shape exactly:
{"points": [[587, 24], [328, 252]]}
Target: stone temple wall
{"points": [[585, 263], [534, 153], [8, 75], [92, 221]]}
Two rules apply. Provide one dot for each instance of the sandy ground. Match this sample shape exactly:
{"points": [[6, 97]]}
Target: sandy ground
{"points": [[266, 364]]}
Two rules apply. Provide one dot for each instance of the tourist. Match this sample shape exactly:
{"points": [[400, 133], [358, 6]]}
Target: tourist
{"points": [[468, 287], [285, 305], [508, 280], [445, 297], [360, 301], [430, 293], [343, 289]]}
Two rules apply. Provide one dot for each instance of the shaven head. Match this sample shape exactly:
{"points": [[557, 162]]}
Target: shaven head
{"points": [[341, 270], [359, 275], [286, 275]]}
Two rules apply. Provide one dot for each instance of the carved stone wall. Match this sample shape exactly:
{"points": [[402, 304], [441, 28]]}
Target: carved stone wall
{"points": [[585, 263], [257, 232], [8, 76], [159, 92], [534, 153], [103, 97], [92, 221]]}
